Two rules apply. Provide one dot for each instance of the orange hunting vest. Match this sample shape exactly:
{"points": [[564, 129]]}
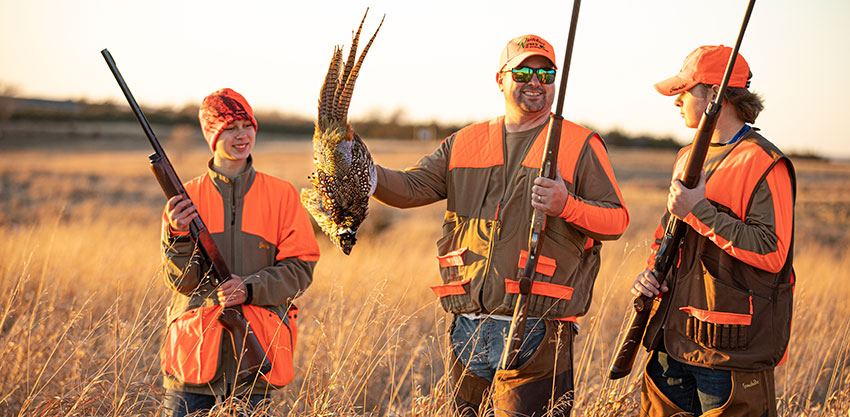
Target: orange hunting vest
{"points": [[479, 258], [722, 313], [193, 343]]}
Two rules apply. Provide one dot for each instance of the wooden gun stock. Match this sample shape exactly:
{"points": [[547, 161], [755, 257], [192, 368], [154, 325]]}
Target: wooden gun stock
{"points": [[249, 354], [674, 233]]}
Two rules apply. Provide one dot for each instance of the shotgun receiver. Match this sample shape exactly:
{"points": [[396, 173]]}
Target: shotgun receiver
{"points": [[548, 169], [674, 231], [249, 354]]}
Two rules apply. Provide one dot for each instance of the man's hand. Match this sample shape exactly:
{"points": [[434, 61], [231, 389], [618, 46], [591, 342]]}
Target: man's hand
{"points": [[681, 200], [549, 196], [180, 212], [232, 292], [646, 284]]}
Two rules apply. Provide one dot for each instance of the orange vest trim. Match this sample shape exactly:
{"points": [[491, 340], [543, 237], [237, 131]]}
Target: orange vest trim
{"points": [[192, 344], [718, 317], [573, 138], [472, 147], [264, 200], [452, 288], [571, 319], [545, 266], [541, 288], [734, 180], [773, 261], [453, 258], [276, 339], [276, 215], [208, 202]]}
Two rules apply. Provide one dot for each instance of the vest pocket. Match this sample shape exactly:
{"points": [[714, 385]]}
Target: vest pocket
{"points": [[562, 287], [720, 314], [454, 293], [192, 346], [277, 338]]}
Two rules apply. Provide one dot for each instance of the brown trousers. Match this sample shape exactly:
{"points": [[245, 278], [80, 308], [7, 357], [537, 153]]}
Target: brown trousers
{"points": [[543, 384], [753, 395]]}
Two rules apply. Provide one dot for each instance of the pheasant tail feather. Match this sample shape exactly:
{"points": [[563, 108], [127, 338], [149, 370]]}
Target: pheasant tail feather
{"points": [[345, 100]]}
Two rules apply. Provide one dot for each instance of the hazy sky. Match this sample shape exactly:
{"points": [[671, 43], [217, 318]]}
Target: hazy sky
{"points": [[437, 59]]}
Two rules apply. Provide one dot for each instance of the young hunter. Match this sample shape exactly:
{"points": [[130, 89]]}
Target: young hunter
{"points": [[264, 235], [724, 319], [487, 173]]}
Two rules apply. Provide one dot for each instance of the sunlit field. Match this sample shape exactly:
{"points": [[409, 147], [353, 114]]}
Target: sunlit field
{"points": [[82, 297]]}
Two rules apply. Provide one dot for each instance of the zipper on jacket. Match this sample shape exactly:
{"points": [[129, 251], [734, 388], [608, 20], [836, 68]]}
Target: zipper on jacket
{"points": [[233, 184], [233, 205]]}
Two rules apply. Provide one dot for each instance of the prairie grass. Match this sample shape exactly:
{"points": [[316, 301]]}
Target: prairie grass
{"points": [[82, 299]]}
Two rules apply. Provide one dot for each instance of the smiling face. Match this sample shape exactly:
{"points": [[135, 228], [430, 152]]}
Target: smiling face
{"points": [[235, 143], [532, 98]]}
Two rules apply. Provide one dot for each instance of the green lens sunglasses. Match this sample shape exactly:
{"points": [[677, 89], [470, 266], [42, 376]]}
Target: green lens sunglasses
{"points": [[523, 74]]}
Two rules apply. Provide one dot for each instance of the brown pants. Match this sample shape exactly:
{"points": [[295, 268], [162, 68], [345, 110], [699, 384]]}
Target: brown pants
{"points": [[542, 384], [753, 395]]}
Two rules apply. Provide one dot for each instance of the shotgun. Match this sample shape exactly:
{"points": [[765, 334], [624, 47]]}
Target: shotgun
{"points": [[674, 230], [249, 354], [548, 169]]}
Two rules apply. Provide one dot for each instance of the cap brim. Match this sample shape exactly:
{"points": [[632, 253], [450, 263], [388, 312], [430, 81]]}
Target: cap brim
{"points": [[674, 85]]}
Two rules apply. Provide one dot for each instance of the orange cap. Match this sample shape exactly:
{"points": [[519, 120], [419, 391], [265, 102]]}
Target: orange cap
{"points": [[522, 47], [220, 109], [706, 65]]}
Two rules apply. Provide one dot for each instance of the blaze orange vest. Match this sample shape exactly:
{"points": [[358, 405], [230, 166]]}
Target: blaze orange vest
{"points": [[193, 343], [479, 258], [723, 313]]}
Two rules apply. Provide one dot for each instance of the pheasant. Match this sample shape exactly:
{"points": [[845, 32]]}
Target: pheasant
{"points": [[345, 174]]}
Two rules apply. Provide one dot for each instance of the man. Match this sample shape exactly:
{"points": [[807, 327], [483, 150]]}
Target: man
{"points": [[266, 239], [724, 320], [487, 172]]}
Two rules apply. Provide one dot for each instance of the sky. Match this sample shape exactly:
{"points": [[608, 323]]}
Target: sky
{"points": [[436, 59]]}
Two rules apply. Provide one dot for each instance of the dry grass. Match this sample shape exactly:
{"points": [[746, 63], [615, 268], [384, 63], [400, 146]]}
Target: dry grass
{"points": [[82, 299]]}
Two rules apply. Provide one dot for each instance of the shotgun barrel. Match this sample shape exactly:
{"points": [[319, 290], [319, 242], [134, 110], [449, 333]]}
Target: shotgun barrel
{"points": [[249, 354]]}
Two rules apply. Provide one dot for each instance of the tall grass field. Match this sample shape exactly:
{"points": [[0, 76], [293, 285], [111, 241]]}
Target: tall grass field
{"points": [[83, 299]]}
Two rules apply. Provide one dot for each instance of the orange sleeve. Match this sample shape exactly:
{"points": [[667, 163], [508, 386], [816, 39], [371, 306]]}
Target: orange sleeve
{"points": [[296, 238], [763, 238], [597, 206]]}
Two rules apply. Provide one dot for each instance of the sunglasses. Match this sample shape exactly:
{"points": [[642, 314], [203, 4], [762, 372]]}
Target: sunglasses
{"points": [[523, 75]]}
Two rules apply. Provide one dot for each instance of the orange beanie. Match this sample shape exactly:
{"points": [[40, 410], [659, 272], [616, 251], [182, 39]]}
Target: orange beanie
{"points": [[220, 109]]}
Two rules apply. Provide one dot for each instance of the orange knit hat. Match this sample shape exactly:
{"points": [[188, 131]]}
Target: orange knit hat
{"points": [[220, 109]]}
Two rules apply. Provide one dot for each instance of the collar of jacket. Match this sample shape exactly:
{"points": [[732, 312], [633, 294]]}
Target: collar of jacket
{"points": [[239, 183]]}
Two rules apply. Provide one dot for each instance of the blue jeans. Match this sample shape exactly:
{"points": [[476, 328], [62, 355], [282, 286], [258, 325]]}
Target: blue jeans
{"points": [[692, 388], [180, 404], [479, 343]]}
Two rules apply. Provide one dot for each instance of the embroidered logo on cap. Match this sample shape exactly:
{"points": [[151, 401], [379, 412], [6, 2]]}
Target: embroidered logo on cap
{"points": [[535, 43]]}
